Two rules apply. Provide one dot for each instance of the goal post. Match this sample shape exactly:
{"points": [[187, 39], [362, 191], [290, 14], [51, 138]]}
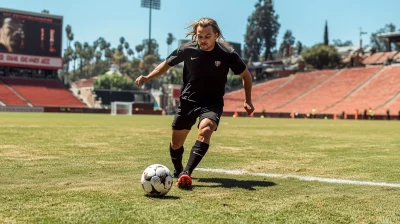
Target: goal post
{"points": [[118, 108]]}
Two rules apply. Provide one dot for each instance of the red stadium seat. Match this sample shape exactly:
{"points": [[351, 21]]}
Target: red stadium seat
{"points": [[42, 92]]}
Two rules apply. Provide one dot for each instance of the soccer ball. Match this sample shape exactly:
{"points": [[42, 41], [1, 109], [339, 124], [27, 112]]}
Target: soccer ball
{"points": [[156, 180]]}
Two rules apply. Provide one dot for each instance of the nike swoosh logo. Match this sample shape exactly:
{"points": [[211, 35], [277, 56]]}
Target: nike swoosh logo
{"points": [[197, 154], [193, 58]]}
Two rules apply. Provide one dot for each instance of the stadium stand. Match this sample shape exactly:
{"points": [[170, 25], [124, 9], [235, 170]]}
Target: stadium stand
{"points": [[393, 106], [396, 58], [327, 91], [299, 84], [43, 92], [83, 90], [234, 100], [375, 94], [379, 58], [8, 97], [332, 91]]}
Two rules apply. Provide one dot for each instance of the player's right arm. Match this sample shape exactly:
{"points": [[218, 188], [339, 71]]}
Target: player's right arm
{"points": [[161, 69], [173, 59]]}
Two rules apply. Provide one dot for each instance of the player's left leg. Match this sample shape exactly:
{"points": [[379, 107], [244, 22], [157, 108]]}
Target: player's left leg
{"points": [[199, 149], [208, 123]]}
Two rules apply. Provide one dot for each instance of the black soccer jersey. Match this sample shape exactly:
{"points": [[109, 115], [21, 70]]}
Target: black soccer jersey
{"points": [[205, 72]]}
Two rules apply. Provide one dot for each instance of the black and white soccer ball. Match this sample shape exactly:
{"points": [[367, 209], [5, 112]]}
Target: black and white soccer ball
{"points": [[156, 180]]}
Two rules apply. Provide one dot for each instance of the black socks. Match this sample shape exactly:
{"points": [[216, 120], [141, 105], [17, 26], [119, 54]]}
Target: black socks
{"points": [[176, 158], [198, 151]]}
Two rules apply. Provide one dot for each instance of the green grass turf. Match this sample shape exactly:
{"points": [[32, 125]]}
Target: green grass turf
{"points": [[80, 168]]}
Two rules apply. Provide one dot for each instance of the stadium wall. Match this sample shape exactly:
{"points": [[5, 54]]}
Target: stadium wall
{"points": [[158, 112]]}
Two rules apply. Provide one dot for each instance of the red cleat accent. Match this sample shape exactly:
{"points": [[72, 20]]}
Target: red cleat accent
{"points": [[184, 182]]}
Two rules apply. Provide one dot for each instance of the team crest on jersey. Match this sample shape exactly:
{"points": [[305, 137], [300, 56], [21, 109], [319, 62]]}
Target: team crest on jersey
{"points": [[217, 63]]}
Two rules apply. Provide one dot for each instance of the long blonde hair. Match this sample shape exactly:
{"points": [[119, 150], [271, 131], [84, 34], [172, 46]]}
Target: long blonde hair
{"points": [[204, 22]]}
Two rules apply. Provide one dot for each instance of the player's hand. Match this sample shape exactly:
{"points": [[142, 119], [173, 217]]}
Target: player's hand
{"points": [[140, 80], [248, 106]]}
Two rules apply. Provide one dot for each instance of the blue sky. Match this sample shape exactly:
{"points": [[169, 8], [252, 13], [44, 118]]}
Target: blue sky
{"points": [[91, 19]]}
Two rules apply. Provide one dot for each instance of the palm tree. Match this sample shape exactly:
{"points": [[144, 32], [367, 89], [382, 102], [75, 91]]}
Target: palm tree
{"points": [[108, 54], [90, 54], [95, 45], [98, 56], [74, 56], [170, 39], [126, 45], [84, 54], [70, 38], [79, 53], [67, 57], [119, 54], [45, 11], [130, 52], [100, 40], [77, 45], [68, 31], [103, 45], [120, 48], [122, 40], [139, 48]]}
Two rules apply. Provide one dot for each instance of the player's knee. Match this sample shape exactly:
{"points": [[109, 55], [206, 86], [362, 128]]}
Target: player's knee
{"points": [[206, 131], [176, 144], [206, 128]]}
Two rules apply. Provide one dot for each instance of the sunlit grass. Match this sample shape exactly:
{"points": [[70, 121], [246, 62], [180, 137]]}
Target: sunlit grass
{"points": [[79, 168]]}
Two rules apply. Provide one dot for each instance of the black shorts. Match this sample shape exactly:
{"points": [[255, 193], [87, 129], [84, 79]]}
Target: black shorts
{"points": [[187, 115]]}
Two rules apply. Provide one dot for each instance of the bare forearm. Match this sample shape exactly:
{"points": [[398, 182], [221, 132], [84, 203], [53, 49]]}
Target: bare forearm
{"points": [[247, 84], [158, 71]]}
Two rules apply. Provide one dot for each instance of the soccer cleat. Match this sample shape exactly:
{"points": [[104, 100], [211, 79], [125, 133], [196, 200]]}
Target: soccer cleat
{"points": [[184, 181]]}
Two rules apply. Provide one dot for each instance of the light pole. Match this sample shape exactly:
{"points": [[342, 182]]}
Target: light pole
{"points": [[151, 4], [361, 33]]}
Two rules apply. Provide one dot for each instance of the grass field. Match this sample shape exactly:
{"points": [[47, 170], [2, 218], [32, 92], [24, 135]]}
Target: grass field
{"points": [[75, 168]]}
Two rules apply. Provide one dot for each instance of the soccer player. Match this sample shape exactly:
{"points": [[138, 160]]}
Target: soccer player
{"points": [[206, 65]]}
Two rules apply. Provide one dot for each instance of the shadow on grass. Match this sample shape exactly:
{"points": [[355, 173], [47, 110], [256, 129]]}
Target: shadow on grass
{"points": [[166, 197], [233, 183]]}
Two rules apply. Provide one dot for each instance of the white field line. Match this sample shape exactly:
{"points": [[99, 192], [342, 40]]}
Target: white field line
{"points": [[305, 178]]}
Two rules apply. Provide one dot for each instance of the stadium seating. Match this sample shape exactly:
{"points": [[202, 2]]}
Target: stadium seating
{"points": [[8, 97], [375, 94], [379, 58], [332, 91], [43, 92], [234, 100], [298, 85], [396, 58], [393, 107], [327, 91]]}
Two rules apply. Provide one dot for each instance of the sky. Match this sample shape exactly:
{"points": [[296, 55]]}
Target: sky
{"points": [[91, 19]]}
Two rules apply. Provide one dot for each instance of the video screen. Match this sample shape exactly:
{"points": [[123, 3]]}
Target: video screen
{"points": [[23, 33]]}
